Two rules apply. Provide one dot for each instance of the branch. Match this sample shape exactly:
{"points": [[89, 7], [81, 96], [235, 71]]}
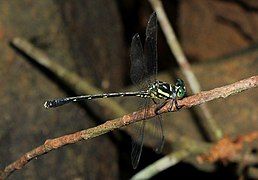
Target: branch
{"points": [[51, 144]]}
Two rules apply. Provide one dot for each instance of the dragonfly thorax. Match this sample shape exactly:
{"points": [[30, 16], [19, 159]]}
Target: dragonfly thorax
{"points": [[162, 90]]}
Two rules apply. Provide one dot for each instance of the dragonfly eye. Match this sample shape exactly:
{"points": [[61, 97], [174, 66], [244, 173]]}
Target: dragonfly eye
{"points": [[180, 92]]}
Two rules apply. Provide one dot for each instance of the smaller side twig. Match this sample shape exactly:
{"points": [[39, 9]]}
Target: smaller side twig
{"points": [[161, 165], [71, 79], [208, 123], [174, 45], [187, 147]]}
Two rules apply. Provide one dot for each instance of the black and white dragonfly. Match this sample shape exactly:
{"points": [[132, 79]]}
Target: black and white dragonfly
{"points": [[143, 74]]}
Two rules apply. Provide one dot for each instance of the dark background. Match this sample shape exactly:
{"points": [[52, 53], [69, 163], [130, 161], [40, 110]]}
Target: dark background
{"points": [[92, 38]]}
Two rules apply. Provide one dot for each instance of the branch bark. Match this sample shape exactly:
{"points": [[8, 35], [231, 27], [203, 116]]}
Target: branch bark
{"points": [[200, 98]]}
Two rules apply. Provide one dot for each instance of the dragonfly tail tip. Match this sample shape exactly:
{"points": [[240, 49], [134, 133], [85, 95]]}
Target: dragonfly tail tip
{"points": [[47, 105]]}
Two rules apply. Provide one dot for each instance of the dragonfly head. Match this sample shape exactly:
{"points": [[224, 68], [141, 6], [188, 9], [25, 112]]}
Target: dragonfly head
{"points": [[180, 88]]}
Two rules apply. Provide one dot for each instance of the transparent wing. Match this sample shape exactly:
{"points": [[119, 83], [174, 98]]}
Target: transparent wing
{"points": [[143, 71], [145, 67], [138, 73], [157, 133], [138, 65], [150, 47], [137, 144]]}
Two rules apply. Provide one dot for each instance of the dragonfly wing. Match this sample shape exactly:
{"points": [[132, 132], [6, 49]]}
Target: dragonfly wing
{"points": [[155, 130], [158, 133], [138, 65], [143, 71], [150, 47], [137, 144]]}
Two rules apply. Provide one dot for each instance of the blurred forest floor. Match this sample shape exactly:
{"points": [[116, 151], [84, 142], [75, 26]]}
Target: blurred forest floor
{"points": [[92, 38]]}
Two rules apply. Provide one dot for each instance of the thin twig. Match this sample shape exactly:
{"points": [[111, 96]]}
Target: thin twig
{"points": [[161, 165], [175, 46], [187, 147], [76, 83], [211, 127], [51, 144]]}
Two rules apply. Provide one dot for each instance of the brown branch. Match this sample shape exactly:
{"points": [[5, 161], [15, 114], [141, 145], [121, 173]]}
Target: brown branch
{"points": [[51, 144]]}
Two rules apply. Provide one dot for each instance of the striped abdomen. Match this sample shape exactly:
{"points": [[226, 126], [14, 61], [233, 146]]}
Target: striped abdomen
{"points": [[62, 101]]}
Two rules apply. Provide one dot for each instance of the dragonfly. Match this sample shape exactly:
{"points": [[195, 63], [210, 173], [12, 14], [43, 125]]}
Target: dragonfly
{"points": [[143, 73]]}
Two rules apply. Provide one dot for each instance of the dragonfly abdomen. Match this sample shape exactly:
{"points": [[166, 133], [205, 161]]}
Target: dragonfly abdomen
{"points": [[62, 101]]}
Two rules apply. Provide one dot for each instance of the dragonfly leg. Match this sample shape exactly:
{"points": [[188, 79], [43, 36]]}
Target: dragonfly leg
{"points": [[174, 101], [171, 105], [158, 108], [161, 105], [176, 104]]}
